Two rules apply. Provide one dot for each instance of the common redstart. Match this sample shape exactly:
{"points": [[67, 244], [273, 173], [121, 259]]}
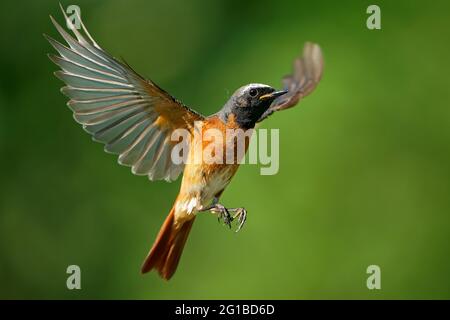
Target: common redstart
{"points": [[135, 119]]}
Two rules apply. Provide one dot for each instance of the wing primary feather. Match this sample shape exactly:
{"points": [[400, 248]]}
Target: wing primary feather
{"points": [[111, 107], [77, 68], [87, 32], [140, 166], [69, 89], [307, 71], [126, 133], [139, 118], [75, 45], [159, 149], [136, 141], [69, 78], [107, 98], [70, 55], [117, 106], [95, 51], [89, 120]]}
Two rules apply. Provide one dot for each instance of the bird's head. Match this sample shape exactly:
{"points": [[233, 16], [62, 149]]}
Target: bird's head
{"points": [[249, 102]]}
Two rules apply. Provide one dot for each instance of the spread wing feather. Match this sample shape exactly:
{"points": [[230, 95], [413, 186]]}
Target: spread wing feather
{"points": [[132, 116], [307, 72]]}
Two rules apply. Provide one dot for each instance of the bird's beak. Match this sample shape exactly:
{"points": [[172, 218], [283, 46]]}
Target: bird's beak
{"points": [[273, 95]]}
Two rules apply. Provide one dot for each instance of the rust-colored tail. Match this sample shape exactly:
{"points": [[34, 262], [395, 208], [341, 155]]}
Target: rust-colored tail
{"points": [[168, 247]]}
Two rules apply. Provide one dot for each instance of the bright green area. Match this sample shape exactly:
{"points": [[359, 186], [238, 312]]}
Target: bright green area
{"points": [[364, 161]]}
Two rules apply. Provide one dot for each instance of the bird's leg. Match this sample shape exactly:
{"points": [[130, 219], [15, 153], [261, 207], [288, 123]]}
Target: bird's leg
{"points": [[240, 214], [224, 213], [220, 210]]}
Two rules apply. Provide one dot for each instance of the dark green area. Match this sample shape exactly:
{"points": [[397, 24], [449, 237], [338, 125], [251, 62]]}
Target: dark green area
{"points": [[364, 166]]}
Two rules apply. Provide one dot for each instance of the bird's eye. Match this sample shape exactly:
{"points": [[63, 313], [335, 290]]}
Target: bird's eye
{"points": [[253, 92]]}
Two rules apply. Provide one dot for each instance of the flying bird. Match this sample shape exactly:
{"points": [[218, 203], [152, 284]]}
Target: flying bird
{"points": [[135, 118]]}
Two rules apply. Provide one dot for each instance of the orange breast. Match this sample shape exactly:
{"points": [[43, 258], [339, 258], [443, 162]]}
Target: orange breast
{"points": [[203, 177]]}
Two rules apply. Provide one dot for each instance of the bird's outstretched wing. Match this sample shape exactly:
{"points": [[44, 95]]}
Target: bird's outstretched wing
{"points": [[306, 74], [132, 116]]}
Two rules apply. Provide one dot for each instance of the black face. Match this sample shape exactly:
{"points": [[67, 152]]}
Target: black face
{"points": [[250, 102]]}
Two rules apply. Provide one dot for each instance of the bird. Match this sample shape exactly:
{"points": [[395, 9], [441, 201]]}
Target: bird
{"points": [[134, 118]]}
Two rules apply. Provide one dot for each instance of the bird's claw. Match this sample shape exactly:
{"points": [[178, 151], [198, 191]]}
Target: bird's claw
{"points": [[241, 215], [222, 213]]}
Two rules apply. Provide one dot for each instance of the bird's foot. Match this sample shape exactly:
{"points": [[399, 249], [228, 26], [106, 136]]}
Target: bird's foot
{"points": [[241, 215], [222, 213]]}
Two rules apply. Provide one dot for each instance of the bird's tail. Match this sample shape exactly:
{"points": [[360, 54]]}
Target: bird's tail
{"points": [[168, 247]]}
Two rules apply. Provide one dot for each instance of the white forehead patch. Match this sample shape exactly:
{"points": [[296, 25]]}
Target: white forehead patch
{"points": [[247, 87]]}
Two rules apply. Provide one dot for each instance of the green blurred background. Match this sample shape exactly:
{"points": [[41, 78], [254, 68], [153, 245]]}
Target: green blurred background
{"points": [[364, 166]]}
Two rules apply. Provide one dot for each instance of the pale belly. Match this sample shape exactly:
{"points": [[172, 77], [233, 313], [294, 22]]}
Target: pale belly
{"points": [[201, 183]]}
